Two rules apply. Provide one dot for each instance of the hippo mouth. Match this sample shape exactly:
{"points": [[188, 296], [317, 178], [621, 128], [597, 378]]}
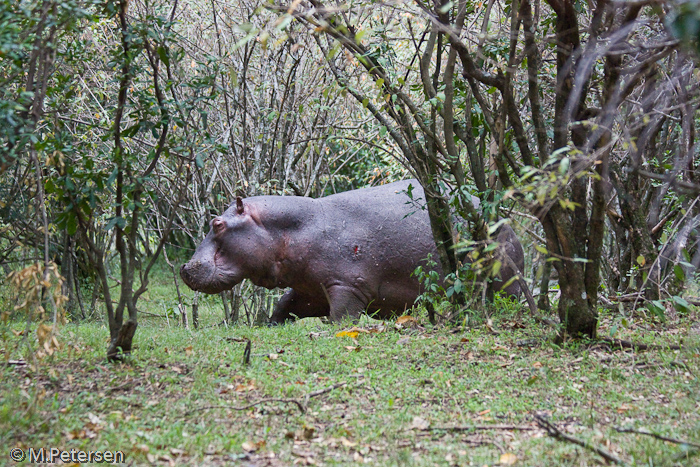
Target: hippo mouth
{"points": [[217, 280]]}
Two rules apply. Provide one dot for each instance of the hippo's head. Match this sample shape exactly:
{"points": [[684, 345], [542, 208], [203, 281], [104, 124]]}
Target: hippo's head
{"points": [[233, 250]]}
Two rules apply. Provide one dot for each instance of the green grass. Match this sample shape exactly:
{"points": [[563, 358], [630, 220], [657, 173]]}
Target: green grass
{"points": [[157, 406]]}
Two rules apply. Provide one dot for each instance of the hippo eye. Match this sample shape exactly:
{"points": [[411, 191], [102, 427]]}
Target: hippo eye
{"points": [[218, 225]]}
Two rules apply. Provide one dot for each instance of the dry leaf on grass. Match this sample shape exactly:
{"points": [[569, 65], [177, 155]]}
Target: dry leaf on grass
{"points": [[350, 334], [252, 447], [420, 423], [354, 331], [406, 321]]}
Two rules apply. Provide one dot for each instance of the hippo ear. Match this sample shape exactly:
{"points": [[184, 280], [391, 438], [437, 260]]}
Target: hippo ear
{"points": [[239, 205]]}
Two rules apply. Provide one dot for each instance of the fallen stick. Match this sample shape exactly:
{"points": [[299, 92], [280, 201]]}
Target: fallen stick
{"points": [[654, 435], [554, 432], [322, 391], [479, 427], [124, 386], [302, 407], [246, 407], [637, 346]]}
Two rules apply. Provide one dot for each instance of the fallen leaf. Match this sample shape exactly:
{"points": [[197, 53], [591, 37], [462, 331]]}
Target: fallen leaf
{"points": [[273, 356], [307, 432], [176, 369], [537, 365], [406, 321], [347, 443], [403, 340], [624, 408], [252, 447], [188, 350], [353, 348], [350, 334], [245, 387], [508, 458], [484, 412], [419, 423]]}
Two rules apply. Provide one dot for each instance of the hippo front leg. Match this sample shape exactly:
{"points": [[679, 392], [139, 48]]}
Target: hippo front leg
{"points": [[294, 305], [345, 304]]}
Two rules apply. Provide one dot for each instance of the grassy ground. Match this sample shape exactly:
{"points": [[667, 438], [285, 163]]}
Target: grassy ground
{"points": [[409, 396]]}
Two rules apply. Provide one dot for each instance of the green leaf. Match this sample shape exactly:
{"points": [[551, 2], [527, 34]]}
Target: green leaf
{"points": [[118, 221], [680, 304], [657, 308], [199, 161], [564, 165], [491, 247], [496, 268], [679, 272], [494, 227], [446, 7], [49, 187], [72, 224], [163, 54]]}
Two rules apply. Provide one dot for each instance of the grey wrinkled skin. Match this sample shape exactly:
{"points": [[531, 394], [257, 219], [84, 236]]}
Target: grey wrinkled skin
{"points": [[340, 255]]}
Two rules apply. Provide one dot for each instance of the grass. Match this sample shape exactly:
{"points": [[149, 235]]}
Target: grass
{"points": [[402, 393]]}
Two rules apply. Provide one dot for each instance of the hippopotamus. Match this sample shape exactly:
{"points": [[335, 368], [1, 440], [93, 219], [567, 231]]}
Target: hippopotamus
{"points": [[340, 255]]}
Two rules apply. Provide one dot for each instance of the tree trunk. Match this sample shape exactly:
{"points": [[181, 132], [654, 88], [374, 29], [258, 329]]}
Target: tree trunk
{"points": [[575, 311], [121, 343]]}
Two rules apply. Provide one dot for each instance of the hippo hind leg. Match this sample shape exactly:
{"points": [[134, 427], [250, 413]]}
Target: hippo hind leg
{"points": [[294, 305]]}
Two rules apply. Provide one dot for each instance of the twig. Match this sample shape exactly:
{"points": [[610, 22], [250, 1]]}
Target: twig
{"points": [[302, 407], [322, 391], [480, 427], [654, 435], [554, 432], [152, 314], [16, 363], [246, 407], [124, 386], [636, 345]]}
